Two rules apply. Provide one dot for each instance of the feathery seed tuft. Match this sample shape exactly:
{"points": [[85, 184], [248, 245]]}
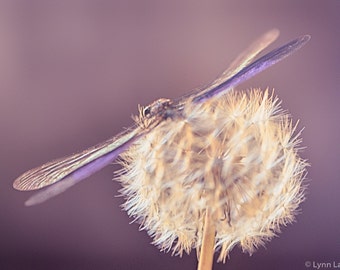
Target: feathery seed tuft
{"points": [[235, 155]]}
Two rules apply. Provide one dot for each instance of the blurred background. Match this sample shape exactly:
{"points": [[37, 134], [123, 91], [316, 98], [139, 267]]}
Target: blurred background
{"points": [[72, 74]]}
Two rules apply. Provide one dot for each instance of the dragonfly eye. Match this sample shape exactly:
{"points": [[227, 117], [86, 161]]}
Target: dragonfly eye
{"points": [[147, 111]]}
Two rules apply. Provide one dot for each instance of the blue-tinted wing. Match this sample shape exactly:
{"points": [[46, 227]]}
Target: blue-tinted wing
{"points": [[230, 78], [65, 172], [246, 57]]}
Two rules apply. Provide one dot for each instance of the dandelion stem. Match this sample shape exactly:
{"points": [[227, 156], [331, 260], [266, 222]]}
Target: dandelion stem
{"points": [[207, 249]]}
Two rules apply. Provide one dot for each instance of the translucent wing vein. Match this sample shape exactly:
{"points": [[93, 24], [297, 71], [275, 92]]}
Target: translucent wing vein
{"points": [[58, 169], [225, 83]]}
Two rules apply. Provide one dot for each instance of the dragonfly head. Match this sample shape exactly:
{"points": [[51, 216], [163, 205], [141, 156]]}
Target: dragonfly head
{"points": [[157, 108]]}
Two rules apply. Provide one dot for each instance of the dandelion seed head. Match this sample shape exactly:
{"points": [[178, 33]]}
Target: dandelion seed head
{"points": [[235, 155]]}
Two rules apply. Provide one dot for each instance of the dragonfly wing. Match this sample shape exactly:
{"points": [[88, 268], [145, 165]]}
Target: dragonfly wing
{"points": [[227, 81], [74, 168], [240, 62], [243, 59], [250, 53]]}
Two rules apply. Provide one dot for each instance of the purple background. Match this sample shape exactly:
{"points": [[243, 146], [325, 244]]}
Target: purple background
{"points": [[73, 72]]}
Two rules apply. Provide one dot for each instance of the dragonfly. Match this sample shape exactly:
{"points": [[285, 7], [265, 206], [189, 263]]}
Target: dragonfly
{"points": [[58, 175]]}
